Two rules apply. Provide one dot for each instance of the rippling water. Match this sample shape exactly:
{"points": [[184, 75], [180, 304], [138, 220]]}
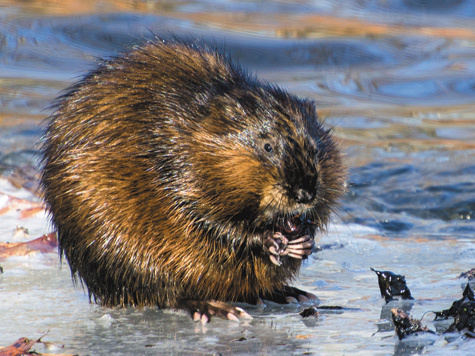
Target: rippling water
{"points": [[395, 80]]}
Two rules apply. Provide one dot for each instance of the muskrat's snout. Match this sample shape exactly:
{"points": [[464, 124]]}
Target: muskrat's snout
{"points": [[303, 195], [305, 190], [302, 180]]}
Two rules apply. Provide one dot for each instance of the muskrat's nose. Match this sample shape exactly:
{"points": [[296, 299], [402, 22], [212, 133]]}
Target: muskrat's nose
{"points": [[303, 196]]}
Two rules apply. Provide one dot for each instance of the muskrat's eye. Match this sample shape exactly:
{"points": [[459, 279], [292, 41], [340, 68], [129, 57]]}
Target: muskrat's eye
{"points": [[268, 147]]}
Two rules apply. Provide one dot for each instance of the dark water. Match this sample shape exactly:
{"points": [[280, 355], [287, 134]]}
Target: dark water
{"points": [[396, 81]]}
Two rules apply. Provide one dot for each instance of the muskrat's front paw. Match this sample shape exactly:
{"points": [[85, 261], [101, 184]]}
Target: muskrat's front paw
{"points": [[299, 248], [279, 245], [204, 310], [275, 246]]}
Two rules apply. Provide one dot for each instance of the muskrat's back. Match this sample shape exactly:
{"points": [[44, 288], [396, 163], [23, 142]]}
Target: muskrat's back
{"points": [[171, 175]]}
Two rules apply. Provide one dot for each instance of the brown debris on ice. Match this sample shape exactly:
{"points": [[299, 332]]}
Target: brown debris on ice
{"points": [[45, 244]]}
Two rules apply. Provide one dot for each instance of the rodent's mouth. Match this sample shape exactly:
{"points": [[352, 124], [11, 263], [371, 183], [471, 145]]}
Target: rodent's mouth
{"points": [[293, 226]]}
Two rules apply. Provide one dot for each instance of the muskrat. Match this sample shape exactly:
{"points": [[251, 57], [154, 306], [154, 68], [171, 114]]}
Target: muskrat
{"points": [[174, 178]]}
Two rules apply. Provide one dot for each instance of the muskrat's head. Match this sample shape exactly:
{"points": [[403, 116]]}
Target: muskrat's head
{"points": [[266, 163]]}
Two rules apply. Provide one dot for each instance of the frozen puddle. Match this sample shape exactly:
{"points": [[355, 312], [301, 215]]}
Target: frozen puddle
{"points": [[37, 297]]}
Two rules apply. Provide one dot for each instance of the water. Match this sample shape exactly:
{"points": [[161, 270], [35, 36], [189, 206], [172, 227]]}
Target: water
{"points": [[396, 81]]}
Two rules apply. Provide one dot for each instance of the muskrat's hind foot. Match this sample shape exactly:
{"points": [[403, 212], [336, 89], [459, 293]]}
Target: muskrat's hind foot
{"points": [[289, 295], [203, 310]]}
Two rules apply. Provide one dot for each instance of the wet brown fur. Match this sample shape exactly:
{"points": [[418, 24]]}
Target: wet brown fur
{"points": [[158, 184]]}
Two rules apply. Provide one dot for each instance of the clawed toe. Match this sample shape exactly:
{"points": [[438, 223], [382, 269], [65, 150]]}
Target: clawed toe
{"points": [[203, 311], [278, 245]]}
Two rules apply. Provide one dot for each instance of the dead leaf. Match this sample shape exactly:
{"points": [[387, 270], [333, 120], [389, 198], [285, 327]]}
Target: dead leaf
{"points": [[18, 348], [22, 347], [44, 244], [26, 207]]}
